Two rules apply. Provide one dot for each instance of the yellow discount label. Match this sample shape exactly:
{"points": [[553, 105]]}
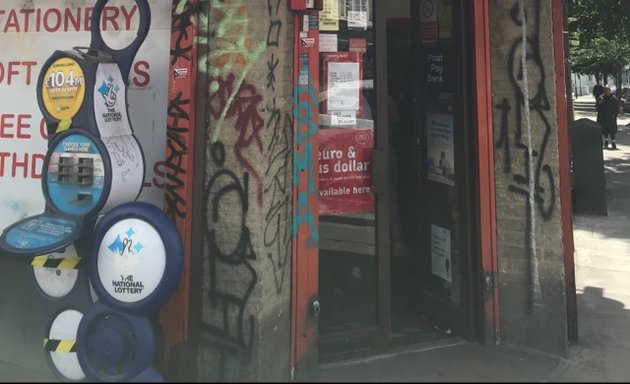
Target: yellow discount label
{"points": [[63, 88]]}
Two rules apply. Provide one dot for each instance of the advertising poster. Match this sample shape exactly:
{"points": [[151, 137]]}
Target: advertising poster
{"points": [[345, 171], [440, 151], [31, 32], [441, 252]]}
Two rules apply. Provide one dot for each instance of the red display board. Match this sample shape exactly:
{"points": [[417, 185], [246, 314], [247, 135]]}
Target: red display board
{"points": [[345, 170]]}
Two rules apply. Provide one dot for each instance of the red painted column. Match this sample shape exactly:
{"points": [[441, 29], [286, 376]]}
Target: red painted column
{"points": [[178, 163], [305, 258], [485, 166], [564, 167]]}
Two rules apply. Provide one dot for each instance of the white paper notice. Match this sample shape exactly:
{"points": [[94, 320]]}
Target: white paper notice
{"points": [[441, 252], [343, 118], [328, 42], [357, 19], [343, 87]]}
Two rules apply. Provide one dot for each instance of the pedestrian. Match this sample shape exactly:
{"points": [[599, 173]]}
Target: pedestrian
{"points": [[598, 90], [607, 116]]}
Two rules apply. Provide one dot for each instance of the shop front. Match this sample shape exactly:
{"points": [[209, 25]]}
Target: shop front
{"points": [[398, 219]]}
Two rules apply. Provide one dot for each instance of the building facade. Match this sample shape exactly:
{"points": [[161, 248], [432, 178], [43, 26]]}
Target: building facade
{"points": [[377, 174], [353, 176]]}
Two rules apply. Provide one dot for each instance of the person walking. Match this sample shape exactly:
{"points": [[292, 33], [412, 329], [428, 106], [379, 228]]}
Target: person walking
{"points": [[598, 90], [607, 116]]}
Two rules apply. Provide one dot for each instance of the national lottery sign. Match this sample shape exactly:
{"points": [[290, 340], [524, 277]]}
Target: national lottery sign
{"points": [[30, 31]]}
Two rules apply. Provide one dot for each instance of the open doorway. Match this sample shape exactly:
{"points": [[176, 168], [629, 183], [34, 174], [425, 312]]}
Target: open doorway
{"points": [[417, 194]]}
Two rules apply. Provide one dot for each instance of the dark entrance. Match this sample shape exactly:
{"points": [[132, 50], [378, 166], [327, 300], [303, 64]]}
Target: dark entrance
{"points": [[398, 259]]}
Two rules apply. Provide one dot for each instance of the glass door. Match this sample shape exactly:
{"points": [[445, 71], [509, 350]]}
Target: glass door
{"points": [[442, 229], [349, 320]]}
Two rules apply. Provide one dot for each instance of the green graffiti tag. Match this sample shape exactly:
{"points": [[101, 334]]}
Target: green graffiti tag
{"points": [[229, 50]]}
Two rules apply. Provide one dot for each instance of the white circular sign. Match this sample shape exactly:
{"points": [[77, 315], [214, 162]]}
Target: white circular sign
{"points": [[131, 260], [56, 273], [64, 328]]}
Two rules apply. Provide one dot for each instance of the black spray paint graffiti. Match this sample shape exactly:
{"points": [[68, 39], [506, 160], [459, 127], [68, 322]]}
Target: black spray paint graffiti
{"points": [[181, 23], [229, 247], [176, 149], [532, 178], [277, 236]]}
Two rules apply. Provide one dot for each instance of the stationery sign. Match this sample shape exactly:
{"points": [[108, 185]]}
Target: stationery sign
{"points": [[345, 170]]}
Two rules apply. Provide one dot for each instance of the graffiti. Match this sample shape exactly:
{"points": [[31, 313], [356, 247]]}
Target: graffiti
{"points": [[532, 178], [229, 52], [277, 231], [271, 76], [248, 122], [181, 24], [304, 110], [277, 234], [230, 253], [176, 149]]}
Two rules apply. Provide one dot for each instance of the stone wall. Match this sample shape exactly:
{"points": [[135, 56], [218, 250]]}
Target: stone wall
{"points": [[245, 332], [531, 272]]}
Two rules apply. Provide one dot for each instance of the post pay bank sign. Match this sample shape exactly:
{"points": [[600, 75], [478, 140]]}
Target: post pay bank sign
{"points": [[30, 31]]}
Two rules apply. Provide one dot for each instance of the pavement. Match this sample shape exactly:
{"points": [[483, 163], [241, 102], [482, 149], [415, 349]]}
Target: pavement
{"points": [[602, 273]]}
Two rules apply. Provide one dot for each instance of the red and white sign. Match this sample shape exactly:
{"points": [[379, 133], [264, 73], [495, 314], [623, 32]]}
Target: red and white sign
{"points": [[345, 171]]}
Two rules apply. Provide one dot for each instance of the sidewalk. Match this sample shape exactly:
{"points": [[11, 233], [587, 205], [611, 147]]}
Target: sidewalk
{"points": [[602, 268]]}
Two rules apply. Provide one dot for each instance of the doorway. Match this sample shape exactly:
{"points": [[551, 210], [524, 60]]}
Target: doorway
{"points": [[398, 259]]}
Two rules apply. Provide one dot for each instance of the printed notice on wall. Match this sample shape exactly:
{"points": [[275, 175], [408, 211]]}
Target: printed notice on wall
{"points": [[357, 13], [345, 170], [329, 16], [441, 252], [343, 86], [440, 151], [328, 42]]}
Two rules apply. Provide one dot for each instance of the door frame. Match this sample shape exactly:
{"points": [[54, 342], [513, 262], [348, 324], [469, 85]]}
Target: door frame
{"points": [[305, 263], [485, 167]]}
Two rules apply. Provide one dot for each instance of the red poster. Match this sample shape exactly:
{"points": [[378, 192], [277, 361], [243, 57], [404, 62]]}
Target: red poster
{"points": [[345, 170]]}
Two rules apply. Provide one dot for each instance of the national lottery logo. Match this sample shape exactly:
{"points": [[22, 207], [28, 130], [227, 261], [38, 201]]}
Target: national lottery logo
{"points": [[109, 91], [125, 246]]}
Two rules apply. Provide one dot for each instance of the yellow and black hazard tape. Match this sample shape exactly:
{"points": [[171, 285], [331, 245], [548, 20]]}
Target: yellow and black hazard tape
{"points": [[63, 263], [55, 345]]}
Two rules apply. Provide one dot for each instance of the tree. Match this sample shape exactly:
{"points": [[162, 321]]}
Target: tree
{"points": [[599, 37]]}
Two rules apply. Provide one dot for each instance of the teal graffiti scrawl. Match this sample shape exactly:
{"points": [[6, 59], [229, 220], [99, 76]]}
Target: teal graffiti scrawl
{"points": [[302, 162]]}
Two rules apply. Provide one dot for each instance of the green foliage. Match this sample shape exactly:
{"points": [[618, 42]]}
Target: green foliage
{"points": [[599, 36]]}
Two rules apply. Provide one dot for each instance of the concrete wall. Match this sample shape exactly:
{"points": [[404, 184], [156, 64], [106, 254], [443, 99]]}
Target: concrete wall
{"points": [[531, 273], [247, 191]]}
